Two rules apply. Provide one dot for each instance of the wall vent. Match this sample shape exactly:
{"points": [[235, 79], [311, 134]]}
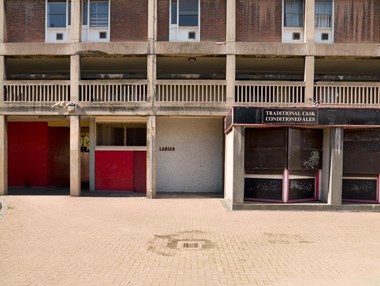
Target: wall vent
{"points": [[59, 36], [102, 35], [192, 35], [325, 37], [296, 36]]}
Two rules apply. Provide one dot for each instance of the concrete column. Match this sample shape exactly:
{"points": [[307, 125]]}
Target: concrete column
{"points": [[309, 21], [3, 32], [151, 157], [309, 80], [231, 21], [75, 159], [2, 77], [76, 23], [92, 153], [74, 78], [230, 78], [234, 167], [332, 166], [151, 74], [152, 21], [3, 156]]}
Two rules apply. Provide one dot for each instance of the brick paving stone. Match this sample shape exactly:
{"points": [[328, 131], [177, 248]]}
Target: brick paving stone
{"points": [[58, 240]]}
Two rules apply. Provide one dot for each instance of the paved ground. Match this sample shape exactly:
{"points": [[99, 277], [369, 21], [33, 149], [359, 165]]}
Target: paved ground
{"points": [[58, 240]]}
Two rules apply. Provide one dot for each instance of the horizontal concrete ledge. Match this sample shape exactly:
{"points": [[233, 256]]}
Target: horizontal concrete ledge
{"points": [[307, 207]]}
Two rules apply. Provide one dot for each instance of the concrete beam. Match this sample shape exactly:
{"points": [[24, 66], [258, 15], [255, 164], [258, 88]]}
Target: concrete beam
{"points": [[3, 156], [151, 157], [234, 167], [75, 157]]}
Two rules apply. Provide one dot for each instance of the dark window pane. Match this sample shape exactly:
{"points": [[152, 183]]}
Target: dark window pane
{"points": [[57, 14], [118, 136], [189, 21], [174, 12], [136, 136]]}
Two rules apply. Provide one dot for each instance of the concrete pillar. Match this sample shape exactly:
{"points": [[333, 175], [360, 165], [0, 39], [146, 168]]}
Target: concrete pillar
{"points": [[332, 166], [234, 167], [152, 21], [309, 80], [3, 156], [230, 78], [151, 74], [76, 23], [151, 157], [2, 77], [74, 78], [231, 21], [309, 21], [3, 32], [75, 159], [92, 153]]}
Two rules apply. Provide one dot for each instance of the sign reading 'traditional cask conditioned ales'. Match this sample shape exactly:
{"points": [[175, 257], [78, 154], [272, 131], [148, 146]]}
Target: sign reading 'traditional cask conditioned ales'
{"points": [[290, 116]]}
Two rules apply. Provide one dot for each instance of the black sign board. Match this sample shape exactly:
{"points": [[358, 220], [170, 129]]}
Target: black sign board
{"points": [[301, 189], [265, 189], [304, 116], [290, 116], [359, 189]]}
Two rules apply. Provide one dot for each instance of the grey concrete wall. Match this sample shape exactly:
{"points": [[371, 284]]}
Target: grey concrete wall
{"points": [[196, 164]]}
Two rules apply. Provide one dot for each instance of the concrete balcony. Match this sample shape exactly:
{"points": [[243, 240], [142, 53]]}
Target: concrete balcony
{"points": [[270, 93], [191, 92], [347, 94], [32, 92], [113, 91]]}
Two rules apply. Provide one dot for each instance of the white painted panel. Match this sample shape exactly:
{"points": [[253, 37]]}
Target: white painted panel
{"points": [[196, 164], [51, 35], [287, 35], [318, 36]]}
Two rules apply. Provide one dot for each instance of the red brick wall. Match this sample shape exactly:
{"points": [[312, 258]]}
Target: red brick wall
{"points": [[213, 20], [163, 11], [357, 21], [129, 20], [258, 21], [25, 20]]}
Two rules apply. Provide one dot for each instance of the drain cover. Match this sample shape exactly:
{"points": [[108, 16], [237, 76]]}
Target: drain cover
{"points": [[191, 245]]}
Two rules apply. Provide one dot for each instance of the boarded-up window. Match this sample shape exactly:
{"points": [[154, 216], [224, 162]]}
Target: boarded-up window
{"points": [[361, 152]]}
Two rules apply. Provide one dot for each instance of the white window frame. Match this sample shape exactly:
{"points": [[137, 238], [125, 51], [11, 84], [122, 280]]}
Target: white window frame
{"points": [[288, 32], [50, 32], [318, 31], [177, 29]]}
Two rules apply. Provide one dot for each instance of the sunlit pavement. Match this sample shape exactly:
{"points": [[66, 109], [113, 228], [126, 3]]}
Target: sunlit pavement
{"points": [[59, 240]]}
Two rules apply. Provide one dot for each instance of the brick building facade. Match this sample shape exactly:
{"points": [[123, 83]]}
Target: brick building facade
{"points": [[186, 96]]}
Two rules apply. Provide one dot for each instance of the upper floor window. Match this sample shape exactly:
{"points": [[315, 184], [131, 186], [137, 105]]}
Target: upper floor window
{"points": [[184, 20], [98, 13], [293, 13], [56, 14], [323, 13], [186, 11]]}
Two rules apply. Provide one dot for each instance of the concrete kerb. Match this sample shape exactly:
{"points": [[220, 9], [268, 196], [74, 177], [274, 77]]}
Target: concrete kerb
{"points": [[3, 207]]}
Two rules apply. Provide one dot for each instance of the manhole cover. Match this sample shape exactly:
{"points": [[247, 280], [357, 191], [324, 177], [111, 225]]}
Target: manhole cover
{"points": [[190, 245]]}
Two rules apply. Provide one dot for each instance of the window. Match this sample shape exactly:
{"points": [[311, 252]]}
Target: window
{"points": [[293, 13], [323, 14], [184, 13], [120, 134], [98, 13], [56, 14]]}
